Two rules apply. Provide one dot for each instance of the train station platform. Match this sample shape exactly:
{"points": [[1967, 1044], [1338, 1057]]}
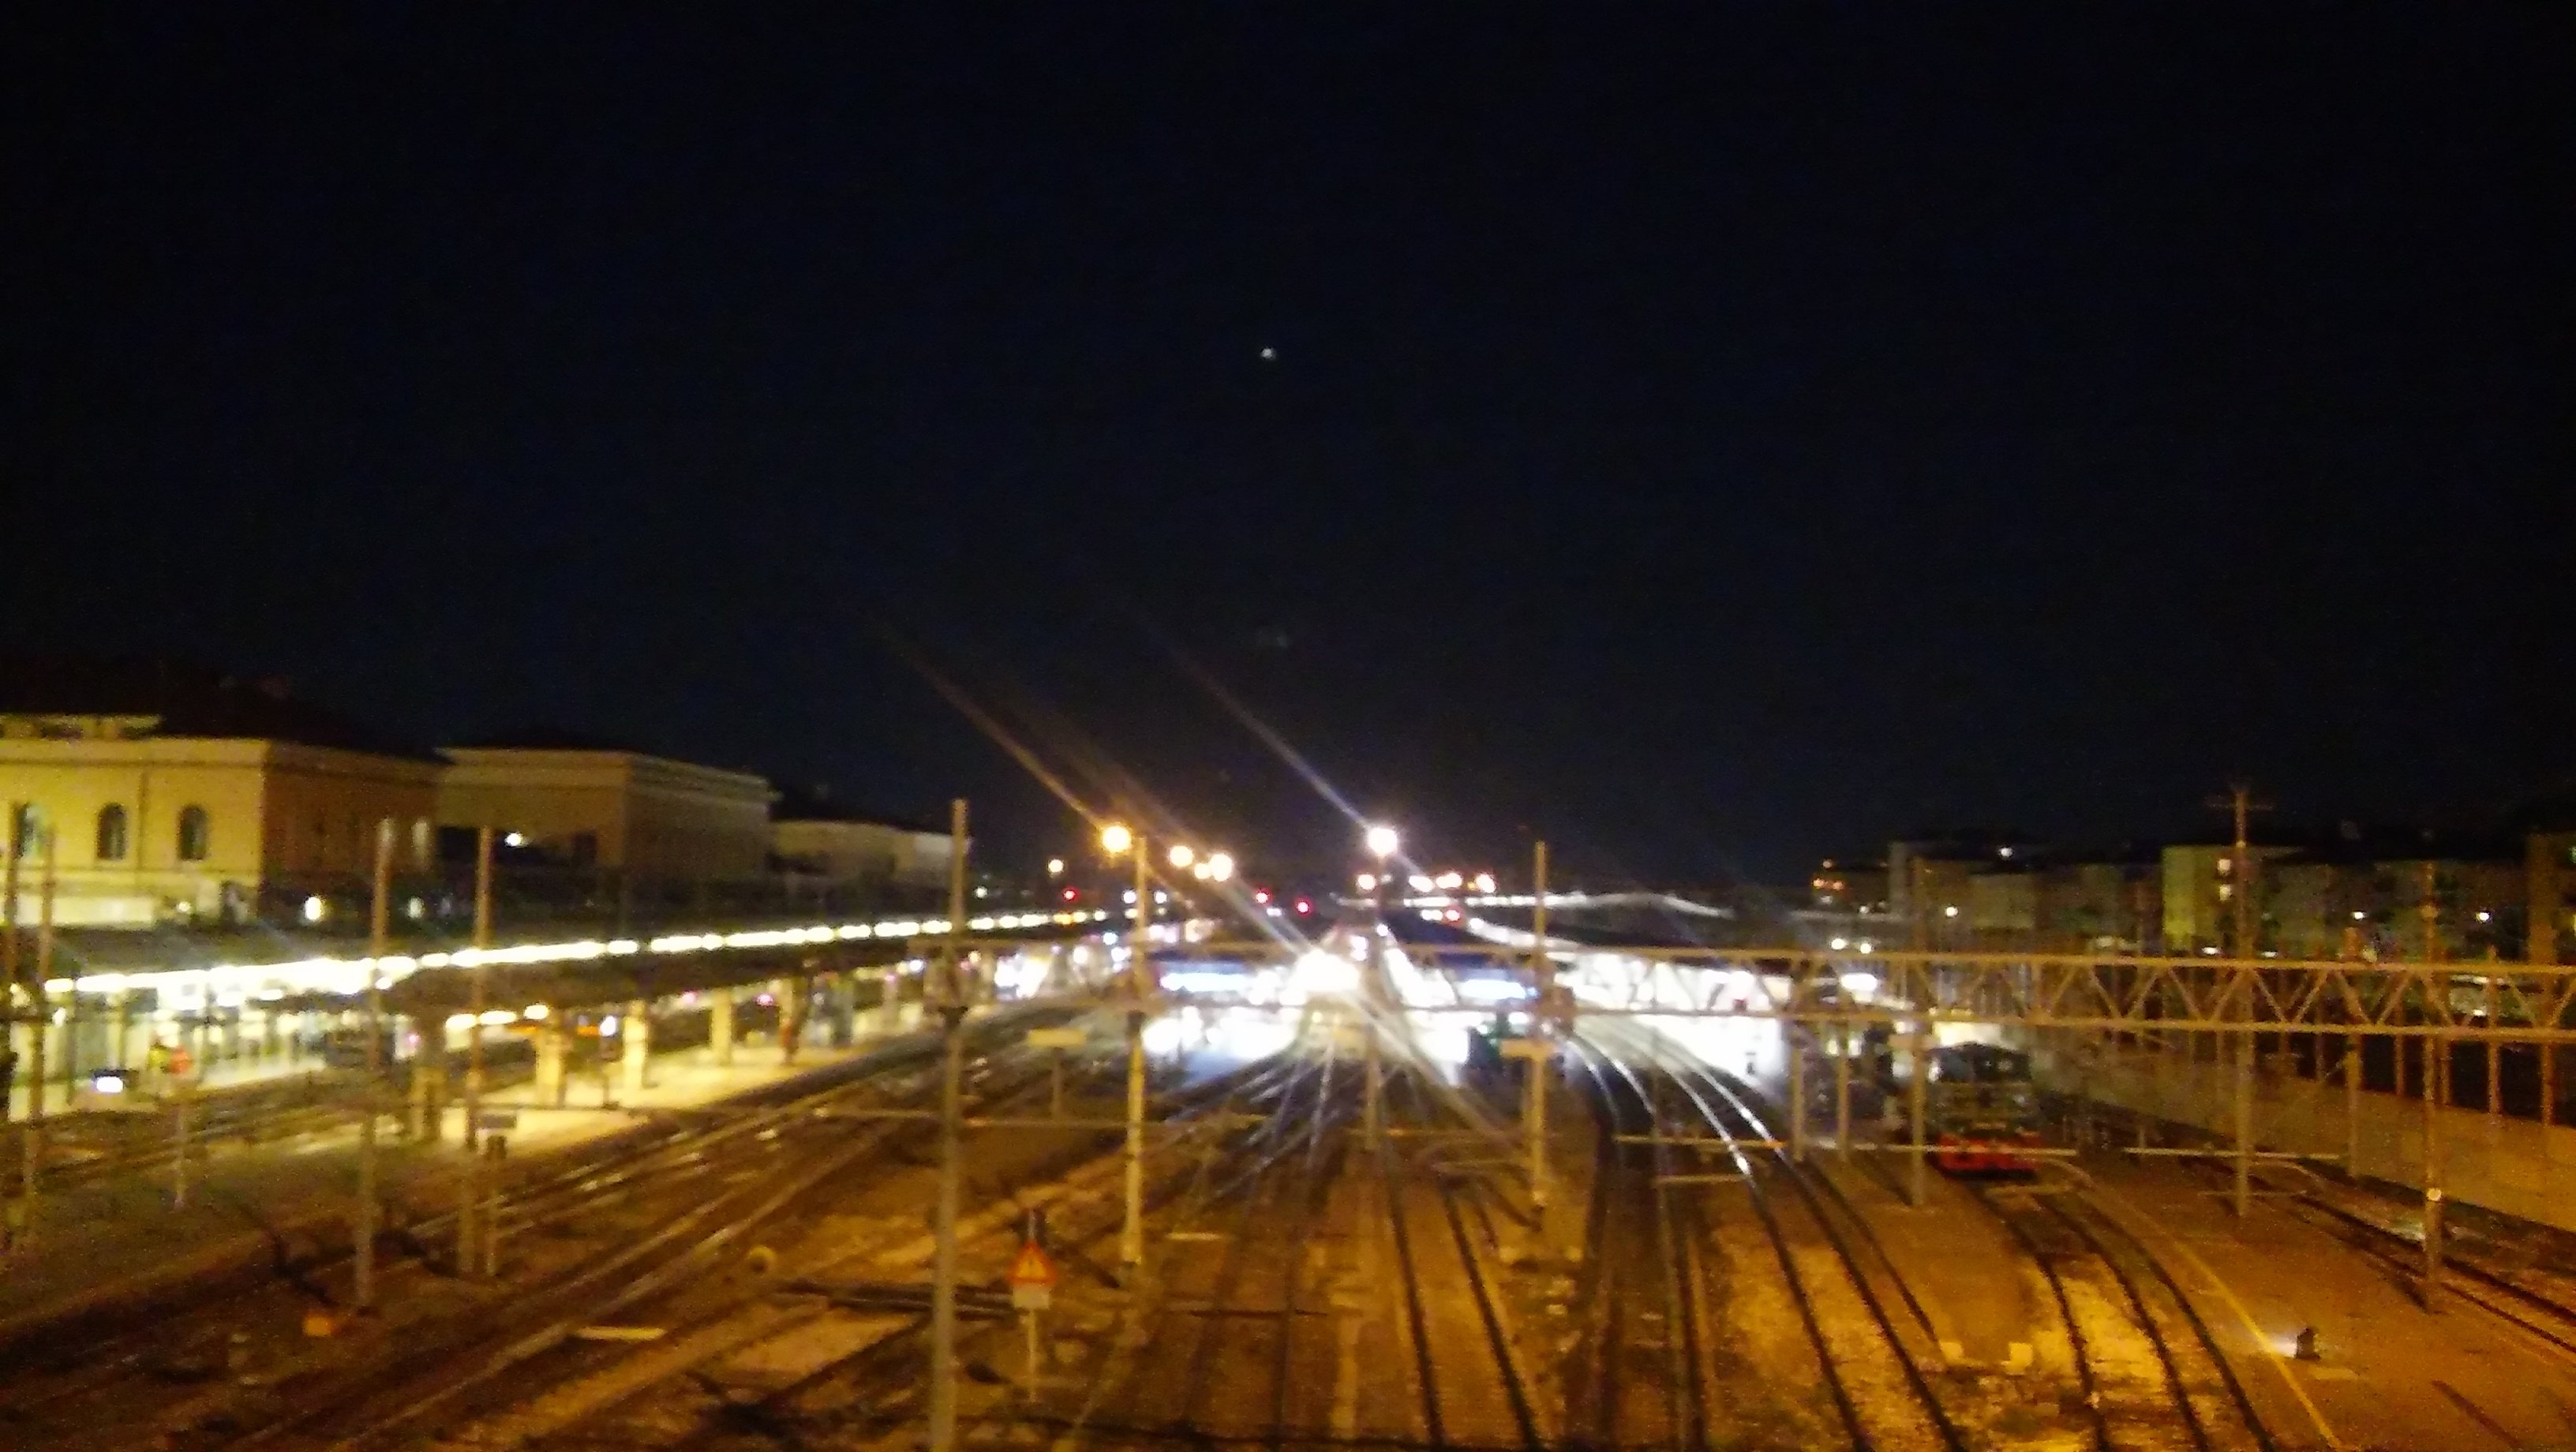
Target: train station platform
{"points": [[252, 1211]]}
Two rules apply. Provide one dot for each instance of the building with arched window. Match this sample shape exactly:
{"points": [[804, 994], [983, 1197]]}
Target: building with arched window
{"points": [[111, 843], [207, 798]]}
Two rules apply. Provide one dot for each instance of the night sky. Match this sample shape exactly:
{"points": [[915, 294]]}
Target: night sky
{"points": [[1710, 441]]}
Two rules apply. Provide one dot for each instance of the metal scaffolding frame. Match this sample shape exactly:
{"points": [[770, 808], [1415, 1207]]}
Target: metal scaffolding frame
{"points": [[2462, 1002]]}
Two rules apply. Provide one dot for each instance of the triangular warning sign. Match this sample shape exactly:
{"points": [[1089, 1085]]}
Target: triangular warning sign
{"points": [[1031, 1267]]}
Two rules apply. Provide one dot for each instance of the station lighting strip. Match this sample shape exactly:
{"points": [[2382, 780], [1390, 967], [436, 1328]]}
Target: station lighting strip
{"points": [[230, 985]]}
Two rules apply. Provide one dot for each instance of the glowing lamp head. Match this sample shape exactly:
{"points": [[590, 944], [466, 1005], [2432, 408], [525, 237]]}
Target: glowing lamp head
{"points": [[1115, 839], [1055, 867], [1381, 841], [1180, 855], [1367, 882], [1220, 866]]}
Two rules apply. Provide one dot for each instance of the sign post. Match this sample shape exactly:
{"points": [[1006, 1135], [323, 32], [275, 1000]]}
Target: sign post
{"points": [[1032, 1278], [1055, 1041]]}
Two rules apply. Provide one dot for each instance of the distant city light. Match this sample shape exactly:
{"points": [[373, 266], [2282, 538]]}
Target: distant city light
{"points": [[1055, 867], [1367, 881], [514, 839], [1180, 855], [1220, 866], [1485, 882], [1381, 841]]}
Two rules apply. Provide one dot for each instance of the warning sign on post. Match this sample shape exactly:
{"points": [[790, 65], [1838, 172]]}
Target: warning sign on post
{"points": [[1032, 1278]]}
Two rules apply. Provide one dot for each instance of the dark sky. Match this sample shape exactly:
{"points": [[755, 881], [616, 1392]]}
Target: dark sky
{"points": [[1710, 440]]}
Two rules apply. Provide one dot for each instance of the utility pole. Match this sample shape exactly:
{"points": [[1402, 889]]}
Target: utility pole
{"points": [[1543, 1027], [952, 1012], [9, 966], [469, 1240], [2431, 911], [1140, 988], [32, 1154], [363, 1281]]}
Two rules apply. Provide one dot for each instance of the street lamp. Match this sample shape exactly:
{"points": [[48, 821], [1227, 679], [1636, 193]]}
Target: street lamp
{"points": [[1181, 856], [1055, 867], [1382, 841], [1220, 866], [1115, 839]]}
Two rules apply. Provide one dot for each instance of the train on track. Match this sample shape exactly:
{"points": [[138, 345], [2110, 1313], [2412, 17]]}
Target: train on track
{"points": [[1981, 1110]]}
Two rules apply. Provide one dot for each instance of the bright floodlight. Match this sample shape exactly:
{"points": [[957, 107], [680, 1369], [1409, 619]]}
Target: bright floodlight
{"points": [[1055, 867], [1381, 841], [1220, 865], [1201, 871], [1181, 855], [1484, 882], [1368, 882], [1115, 839]]}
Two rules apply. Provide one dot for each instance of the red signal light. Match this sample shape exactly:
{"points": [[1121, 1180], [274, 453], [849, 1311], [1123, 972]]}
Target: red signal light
{"points": [[1303, 906], [1071, 896], [1262, 896]]}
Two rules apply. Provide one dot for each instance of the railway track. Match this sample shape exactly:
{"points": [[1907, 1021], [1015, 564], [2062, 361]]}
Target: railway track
{"points": [[2491, 1290], [2152, 1374], [1881, 1393], [1633, 1263], [834, 1359], [595, 1221]]}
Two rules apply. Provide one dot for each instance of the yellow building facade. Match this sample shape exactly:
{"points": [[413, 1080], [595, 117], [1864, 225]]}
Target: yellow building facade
{"points": [[148, 829], [645, 817]]}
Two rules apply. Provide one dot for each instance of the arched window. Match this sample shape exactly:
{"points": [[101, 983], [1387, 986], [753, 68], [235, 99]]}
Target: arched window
{"points": [[111, 833], [27, 834], [194, 831]]}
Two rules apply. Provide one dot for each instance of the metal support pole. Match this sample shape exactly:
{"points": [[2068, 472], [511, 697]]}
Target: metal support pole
{"points": [[1131, 1230], [1797, 1098], [32, 1148], [1917, 1192], [720, 1028], [635, 1049], [2244, 1090], [496, 1149], [2352, 1105], [1055, 1083], [363, 1270], [2432, 1173], [469, 1208], [179, 1150], [1372, 1108], [1842, 1092], [1542, 1026], [1536, 1116], [952, 1015], [2495, 1053], [12, 844], [943, 1285]]}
